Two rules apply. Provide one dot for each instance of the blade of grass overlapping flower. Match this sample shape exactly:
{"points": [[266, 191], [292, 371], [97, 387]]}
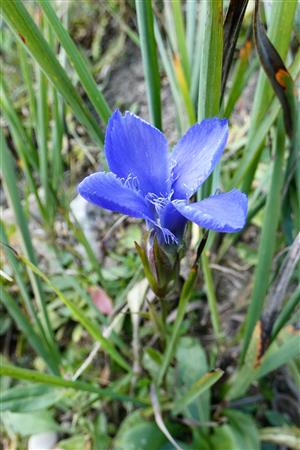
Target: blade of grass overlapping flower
{"points": [[25, 327], [282, 18], [20, 21], [52, 380], [150, 60], [93, 92], [79, 315], [268, 240], [8, 175], [232, 25], [211, 20]]}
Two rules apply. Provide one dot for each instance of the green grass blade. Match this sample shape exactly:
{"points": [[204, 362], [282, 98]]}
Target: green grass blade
{"points": [[52, 380], [91, 328], [27, 330], [169, 69], [150, 61], [23, 145], [211, 20], [275, 358], [8, 174], [178, 24], [211, 295], [197, 388], [191, 19], [27, 74], [21, 282], [20, 21], [209, 94], [85, 77], [267, 240], [240, 77], [25, 148], [42, 127], [286, 313]]}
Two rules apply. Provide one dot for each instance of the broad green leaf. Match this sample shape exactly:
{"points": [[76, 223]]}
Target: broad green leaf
{"points": [[192, 365], [223, 438], [73, 443], [244, 429], [28, 398], [242, 379], [26, 424], [137, 433]]}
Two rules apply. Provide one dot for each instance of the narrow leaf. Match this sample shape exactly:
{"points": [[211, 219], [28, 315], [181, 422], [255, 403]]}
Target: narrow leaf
{"points": [[276, 71], [200, 386], [232, 26]]}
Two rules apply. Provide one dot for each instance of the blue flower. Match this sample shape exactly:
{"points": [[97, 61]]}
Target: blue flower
{"points": [[149, 182]]}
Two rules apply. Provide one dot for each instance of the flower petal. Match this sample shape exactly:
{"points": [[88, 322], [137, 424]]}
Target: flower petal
{"points": [[109, 192], [135, 148], [196, 155], [172, 220], [223, 212]]}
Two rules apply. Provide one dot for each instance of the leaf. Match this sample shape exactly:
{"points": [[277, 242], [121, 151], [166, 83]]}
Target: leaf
{"points": [[136, 433], [191, 365], [73, 443], [277, 355], [223, 438], [276, 71], [232, 25], [197, 388], [246, 374], [28, 398], [52, 380], [244, 429], [27, 424]]}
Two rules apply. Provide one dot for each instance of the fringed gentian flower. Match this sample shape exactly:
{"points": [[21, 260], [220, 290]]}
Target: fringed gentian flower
{"points": [[148, 182]]}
